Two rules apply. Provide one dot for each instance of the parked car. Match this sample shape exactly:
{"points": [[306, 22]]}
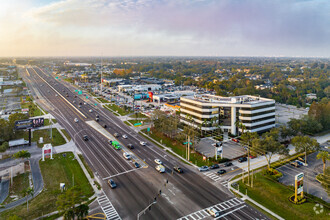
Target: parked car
{"points": [[85, 137], [130, 146], [214, 166], [213, 212], [112, 183], [242, 159], [203, 168], [158, 161], [178, 169], [220, 172], [136, 165], [127, 156], [228, 164]]}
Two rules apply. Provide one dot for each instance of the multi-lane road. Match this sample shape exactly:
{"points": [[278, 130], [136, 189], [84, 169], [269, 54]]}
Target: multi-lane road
{"points": [[185, 195]]}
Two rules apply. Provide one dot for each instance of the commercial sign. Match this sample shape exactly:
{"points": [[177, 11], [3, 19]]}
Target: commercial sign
{"points": [[29, 123], [299, 182]]}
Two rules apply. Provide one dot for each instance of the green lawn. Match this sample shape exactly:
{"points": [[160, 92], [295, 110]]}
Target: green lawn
{"points": [[180, 149], [57, 137], [66, 134], [135, 121], [60, 170], [117, 109], [274, 196], [20, 183], [102, 100], [86, 165], [138, 115]]}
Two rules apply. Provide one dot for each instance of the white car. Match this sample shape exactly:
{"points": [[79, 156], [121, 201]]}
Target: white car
{"points": [[158, 161], [213, 212], [125, 136], [127, 156], [56, 95], [85, 103], [160, 168], [90, 110], [76, 120], [143, 143]]}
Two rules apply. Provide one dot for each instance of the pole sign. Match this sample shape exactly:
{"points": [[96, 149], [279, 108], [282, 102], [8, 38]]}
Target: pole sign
{"points": [[29, 123], [299, 182], [47, 151]]}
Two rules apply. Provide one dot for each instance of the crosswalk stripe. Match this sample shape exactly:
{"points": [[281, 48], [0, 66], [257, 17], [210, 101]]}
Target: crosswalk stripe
{"points": [[107, 208]]}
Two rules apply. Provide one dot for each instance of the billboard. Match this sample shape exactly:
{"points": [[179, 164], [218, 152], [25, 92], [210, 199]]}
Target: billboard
{"points": [[29, 123]]}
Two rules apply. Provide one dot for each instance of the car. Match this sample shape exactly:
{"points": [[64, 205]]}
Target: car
{"points": [[235, 140], [105, 126], [242, 159], [127, 156], [110, 142], [136, 165], [295, 164], [56, 95], [130, 146], [228, 164], [85, 137], [116, 134], [143, 143], [213, 212], [215, 166], [75, 96], [74, 101], [79, 106], [97, 119], [160, 168], [178, 169], [48, 91], [76, 120], [158, 161], [85, 103], [124, 136], [220, 172], [203, 168], [67, 95], [90, 110], [112, 183]]}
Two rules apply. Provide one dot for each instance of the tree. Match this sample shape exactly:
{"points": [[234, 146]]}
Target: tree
{"points": [[268, 146], [82, 211], [286, 132], [28, 192], [66, 202], [23, 154], [324, 156], [247, 139], [304, 144], [14, 217], [4, 146]]}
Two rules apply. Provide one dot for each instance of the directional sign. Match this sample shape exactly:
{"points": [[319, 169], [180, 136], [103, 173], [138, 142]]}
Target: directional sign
{"points": [[80, 92], [137, 124], [76, 90], [86, 97], [187, 143], [148, 129], [56, 77], [95, 104]]}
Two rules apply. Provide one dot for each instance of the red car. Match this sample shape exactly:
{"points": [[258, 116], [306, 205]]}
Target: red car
{"points": [[236, 140]]}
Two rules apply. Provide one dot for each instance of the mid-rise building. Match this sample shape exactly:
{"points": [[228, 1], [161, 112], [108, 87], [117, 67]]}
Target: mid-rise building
{"points": [[209, 112]]}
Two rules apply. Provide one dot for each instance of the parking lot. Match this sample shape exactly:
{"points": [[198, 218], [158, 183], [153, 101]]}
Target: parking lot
{"points": [[285, 112], [311, 185], [230, 148]]}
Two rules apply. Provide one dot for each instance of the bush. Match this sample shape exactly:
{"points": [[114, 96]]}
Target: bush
{"points": [[219, 160], [4, 146], [274, 174], [300, 200]]}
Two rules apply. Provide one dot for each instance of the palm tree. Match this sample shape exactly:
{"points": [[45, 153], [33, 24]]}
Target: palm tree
{"points": [[28, 192], [324, 155], [82, 211]]}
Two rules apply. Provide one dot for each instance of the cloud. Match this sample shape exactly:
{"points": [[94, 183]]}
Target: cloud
{"points": [[185, 27]]}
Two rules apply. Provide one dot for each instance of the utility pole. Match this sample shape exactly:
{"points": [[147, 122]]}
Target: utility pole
{"points": [[252, 180], [248, 165], [188, 148]]}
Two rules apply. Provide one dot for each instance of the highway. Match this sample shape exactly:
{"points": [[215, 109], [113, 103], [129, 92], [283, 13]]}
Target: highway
{"points": [[186, 193]]}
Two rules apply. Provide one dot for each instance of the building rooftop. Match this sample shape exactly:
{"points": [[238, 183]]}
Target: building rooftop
{"points": [[244, 99]]}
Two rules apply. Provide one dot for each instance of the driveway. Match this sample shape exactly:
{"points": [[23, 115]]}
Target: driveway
{"points": [[311, 185]]}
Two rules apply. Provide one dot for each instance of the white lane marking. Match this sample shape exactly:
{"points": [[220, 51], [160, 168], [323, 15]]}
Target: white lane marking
{"points": [[107, 207], [58, 92], [220, 207], [231, 212], [118, 174]]}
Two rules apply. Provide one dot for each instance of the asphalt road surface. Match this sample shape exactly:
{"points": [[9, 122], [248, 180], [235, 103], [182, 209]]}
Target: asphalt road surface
{"points": [[184, 194]]}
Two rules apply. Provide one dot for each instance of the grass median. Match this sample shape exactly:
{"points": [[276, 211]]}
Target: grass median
{"points": [[117, 109], [62, 169], [102, 100]]}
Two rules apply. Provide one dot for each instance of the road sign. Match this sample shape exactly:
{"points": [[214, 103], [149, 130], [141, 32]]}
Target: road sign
{"points": [[95, 104], [137, 124], [187, 143], [148, 129], [80, 92], [56, 77], [76, 90], [86, 97]]}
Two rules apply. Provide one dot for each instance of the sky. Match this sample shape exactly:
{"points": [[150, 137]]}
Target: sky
{"points": [[293, 28]]}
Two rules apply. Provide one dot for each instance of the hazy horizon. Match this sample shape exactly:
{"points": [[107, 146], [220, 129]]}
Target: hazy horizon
{"points": [[146, 28]]}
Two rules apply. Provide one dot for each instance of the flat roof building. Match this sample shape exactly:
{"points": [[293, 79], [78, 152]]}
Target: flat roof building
{"points": [[209, 112]]}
